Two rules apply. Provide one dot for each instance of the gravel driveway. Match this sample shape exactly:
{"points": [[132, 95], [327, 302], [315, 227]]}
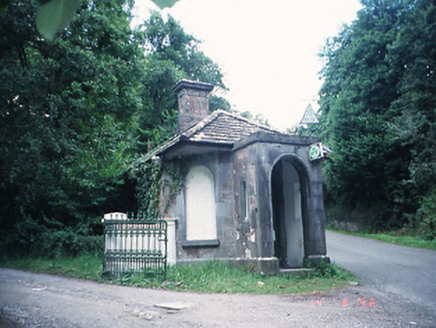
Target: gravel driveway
{"points": [[40, 300]]}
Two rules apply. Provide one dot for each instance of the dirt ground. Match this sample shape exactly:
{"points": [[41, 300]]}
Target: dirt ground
{"points": [[39, 300]]}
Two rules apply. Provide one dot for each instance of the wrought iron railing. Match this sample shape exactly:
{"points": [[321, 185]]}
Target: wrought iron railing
{"points": [[134, 246]]}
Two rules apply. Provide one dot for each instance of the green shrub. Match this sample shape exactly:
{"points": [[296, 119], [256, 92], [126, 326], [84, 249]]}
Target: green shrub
{"points": [[29, 238], [368, 219], [67, 243], [426, 216]]}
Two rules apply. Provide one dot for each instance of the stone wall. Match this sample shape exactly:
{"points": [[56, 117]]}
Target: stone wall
{"points": [[224, 247], [255, 162], [243, 203]]}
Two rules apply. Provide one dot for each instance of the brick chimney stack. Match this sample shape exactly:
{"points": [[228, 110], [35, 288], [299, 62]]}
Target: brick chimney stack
{"points": [[193, 99]]}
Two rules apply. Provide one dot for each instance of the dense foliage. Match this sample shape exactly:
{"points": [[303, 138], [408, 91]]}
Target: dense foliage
{"points": [[76, 112], [378, 106], [53, 16], [171, 55]]}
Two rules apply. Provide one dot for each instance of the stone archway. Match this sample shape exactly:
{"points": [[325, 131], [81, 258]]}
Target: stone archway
{"points": [[287, 206]]}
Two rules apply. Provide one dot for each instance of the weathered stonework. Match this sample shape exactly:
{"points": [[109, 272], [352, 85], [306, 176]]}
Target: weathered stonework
{"points": [[260, 204], [193, 99]]}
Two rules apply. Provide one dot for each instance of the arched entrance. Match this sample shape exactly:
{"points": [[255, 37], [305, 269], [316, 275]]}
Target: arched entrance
{"points": [[286, 186]]}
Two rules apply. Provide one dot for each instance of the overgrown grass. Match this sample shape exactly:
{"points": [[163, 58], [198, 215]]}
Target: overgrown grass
{"points": [[219, 277], [393, 238], [83, 266], [211, 277]]}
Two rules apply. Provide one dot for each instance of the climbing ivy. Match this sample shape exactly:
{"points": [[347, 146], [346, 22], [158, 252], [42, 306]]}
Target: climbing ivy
{"points": [[174, 183], [147, 176], [153, 180]]}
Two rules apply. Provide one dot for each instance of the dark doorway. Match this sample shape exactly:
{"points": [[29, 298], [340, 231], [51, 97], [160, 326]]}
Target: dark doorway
{"points": [[287, 214]]}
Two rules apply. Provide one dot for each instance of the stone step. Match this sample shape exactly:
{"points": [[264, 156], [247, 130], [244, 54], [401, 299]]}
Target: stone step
{"points": [[295, 271]]}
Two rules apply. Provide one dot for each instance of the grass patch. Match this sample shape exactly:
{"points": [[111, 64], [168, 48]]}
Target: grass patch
{"points": [[403, 240], [83, 266], [211, 277], [219, 277]]}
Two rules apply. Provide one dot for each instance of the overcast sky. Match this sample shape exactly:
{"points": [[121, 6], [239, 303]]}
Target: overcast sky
{"points": [[267, 50]]}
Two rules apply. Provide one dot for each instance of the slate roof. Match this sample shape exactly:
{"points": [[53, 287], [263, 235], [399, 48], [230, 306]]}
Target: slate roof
{"points": [[223, 128], [220, 128]]}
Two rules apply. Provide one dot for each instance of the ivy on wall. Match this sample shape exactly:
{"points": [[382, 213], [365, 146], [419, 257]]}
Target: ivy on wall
{"points": [[154, 179]]}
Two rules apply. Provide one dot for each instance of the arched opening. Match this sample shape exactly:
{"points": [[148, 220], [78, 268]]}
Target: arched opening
{"points": [[287, 206], [200, 205]]}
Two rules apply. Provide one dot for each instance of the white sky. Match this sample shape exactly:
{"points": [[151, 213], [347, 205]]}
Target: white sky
{"points": [[267, 50]]}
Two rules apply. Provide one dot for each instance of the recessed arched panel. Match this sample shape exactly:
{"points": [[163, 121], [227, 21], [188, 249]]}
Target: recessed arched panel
{"points": [[200, 205]]}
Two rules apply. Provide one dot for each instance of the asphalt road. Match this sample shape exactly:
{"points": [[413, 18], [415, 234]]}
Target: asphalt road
{"points": [[402, 273]]}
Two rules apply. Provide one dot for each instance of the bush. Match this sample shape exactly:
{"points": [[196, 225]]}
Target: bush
{"points": [[29, 238], [67, 243], [370, 219], [425, 219]]}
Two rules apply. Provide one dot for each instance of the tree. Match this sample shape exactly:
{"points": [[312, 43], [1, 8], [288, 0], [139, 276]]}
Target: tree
{"points": [[171, 55], [74, 114], [68, 119], [414, 51], [369, 165], [54, 15]]}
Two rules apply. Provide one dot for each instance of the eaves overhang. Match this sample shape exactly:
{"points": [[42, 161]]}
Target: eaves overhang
{"points": [[276, 138], [181, 145], [188, 148]]}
